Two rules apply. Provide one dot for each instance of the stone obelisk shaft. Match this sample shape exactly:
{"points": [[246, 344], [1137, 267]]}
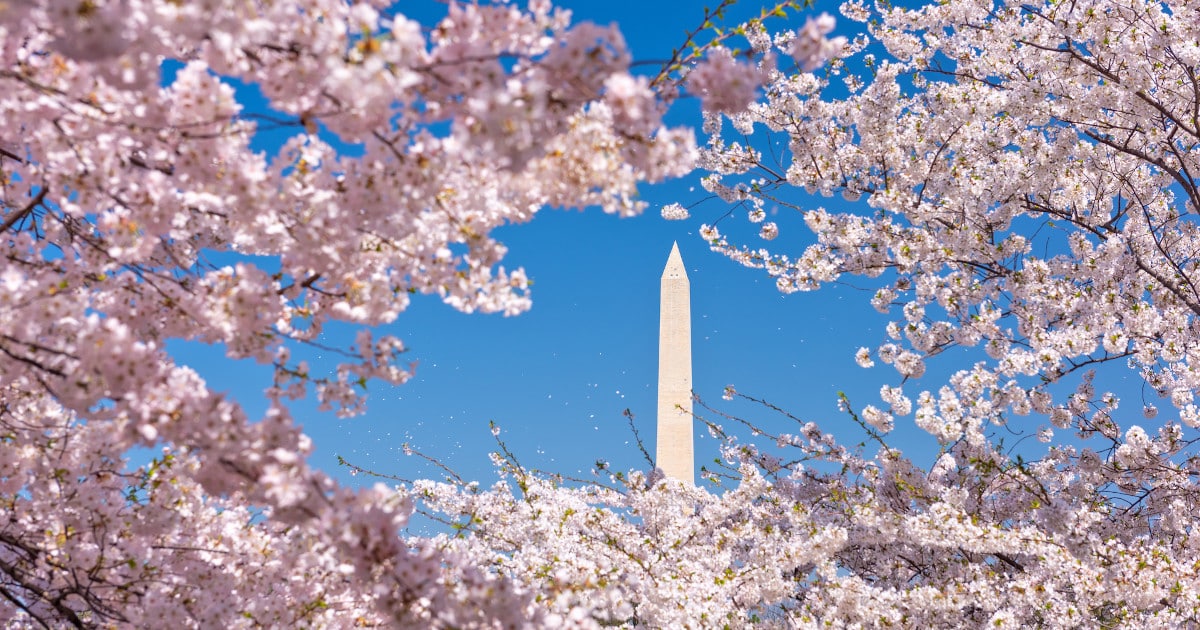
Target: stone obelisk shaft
{"points": [[674, 453]]}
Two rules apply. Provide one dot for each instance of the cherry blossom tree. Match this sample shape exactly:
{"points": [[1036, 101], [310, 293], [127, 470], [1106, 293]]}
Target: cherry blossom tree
{"points": [[127, 169], [810, 533], [1029, 180]]}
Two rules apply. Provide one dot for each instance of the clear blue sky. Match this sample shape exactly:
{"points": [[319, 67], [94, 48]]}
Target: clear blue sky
{"points": [[558, 377]]}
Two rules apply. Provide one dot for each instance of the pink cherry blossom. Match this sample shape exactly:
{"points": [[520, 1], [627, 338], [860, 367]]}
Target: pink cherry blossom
{"points": [[128, 163], [724, 84]]}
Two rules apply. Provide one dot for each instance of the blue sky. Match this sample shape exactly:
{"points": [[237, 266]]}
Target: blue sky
{"points": [[558, 378]]}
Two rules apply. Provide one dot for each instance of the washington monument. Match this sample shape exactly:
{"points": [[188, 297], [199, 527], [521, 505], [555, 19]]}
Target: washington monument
{"points": [[674, 451]]}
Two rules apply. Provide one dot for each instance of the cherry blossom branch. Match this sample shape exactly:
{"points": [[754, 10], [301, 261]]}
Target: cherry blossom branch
{"points": [[20, 215]]}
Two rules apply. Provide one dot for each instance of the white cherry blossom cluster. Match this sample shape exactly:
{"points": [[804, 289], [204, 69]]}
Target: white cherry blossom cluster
{"points": [[1026, 185], [808, 533]]}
